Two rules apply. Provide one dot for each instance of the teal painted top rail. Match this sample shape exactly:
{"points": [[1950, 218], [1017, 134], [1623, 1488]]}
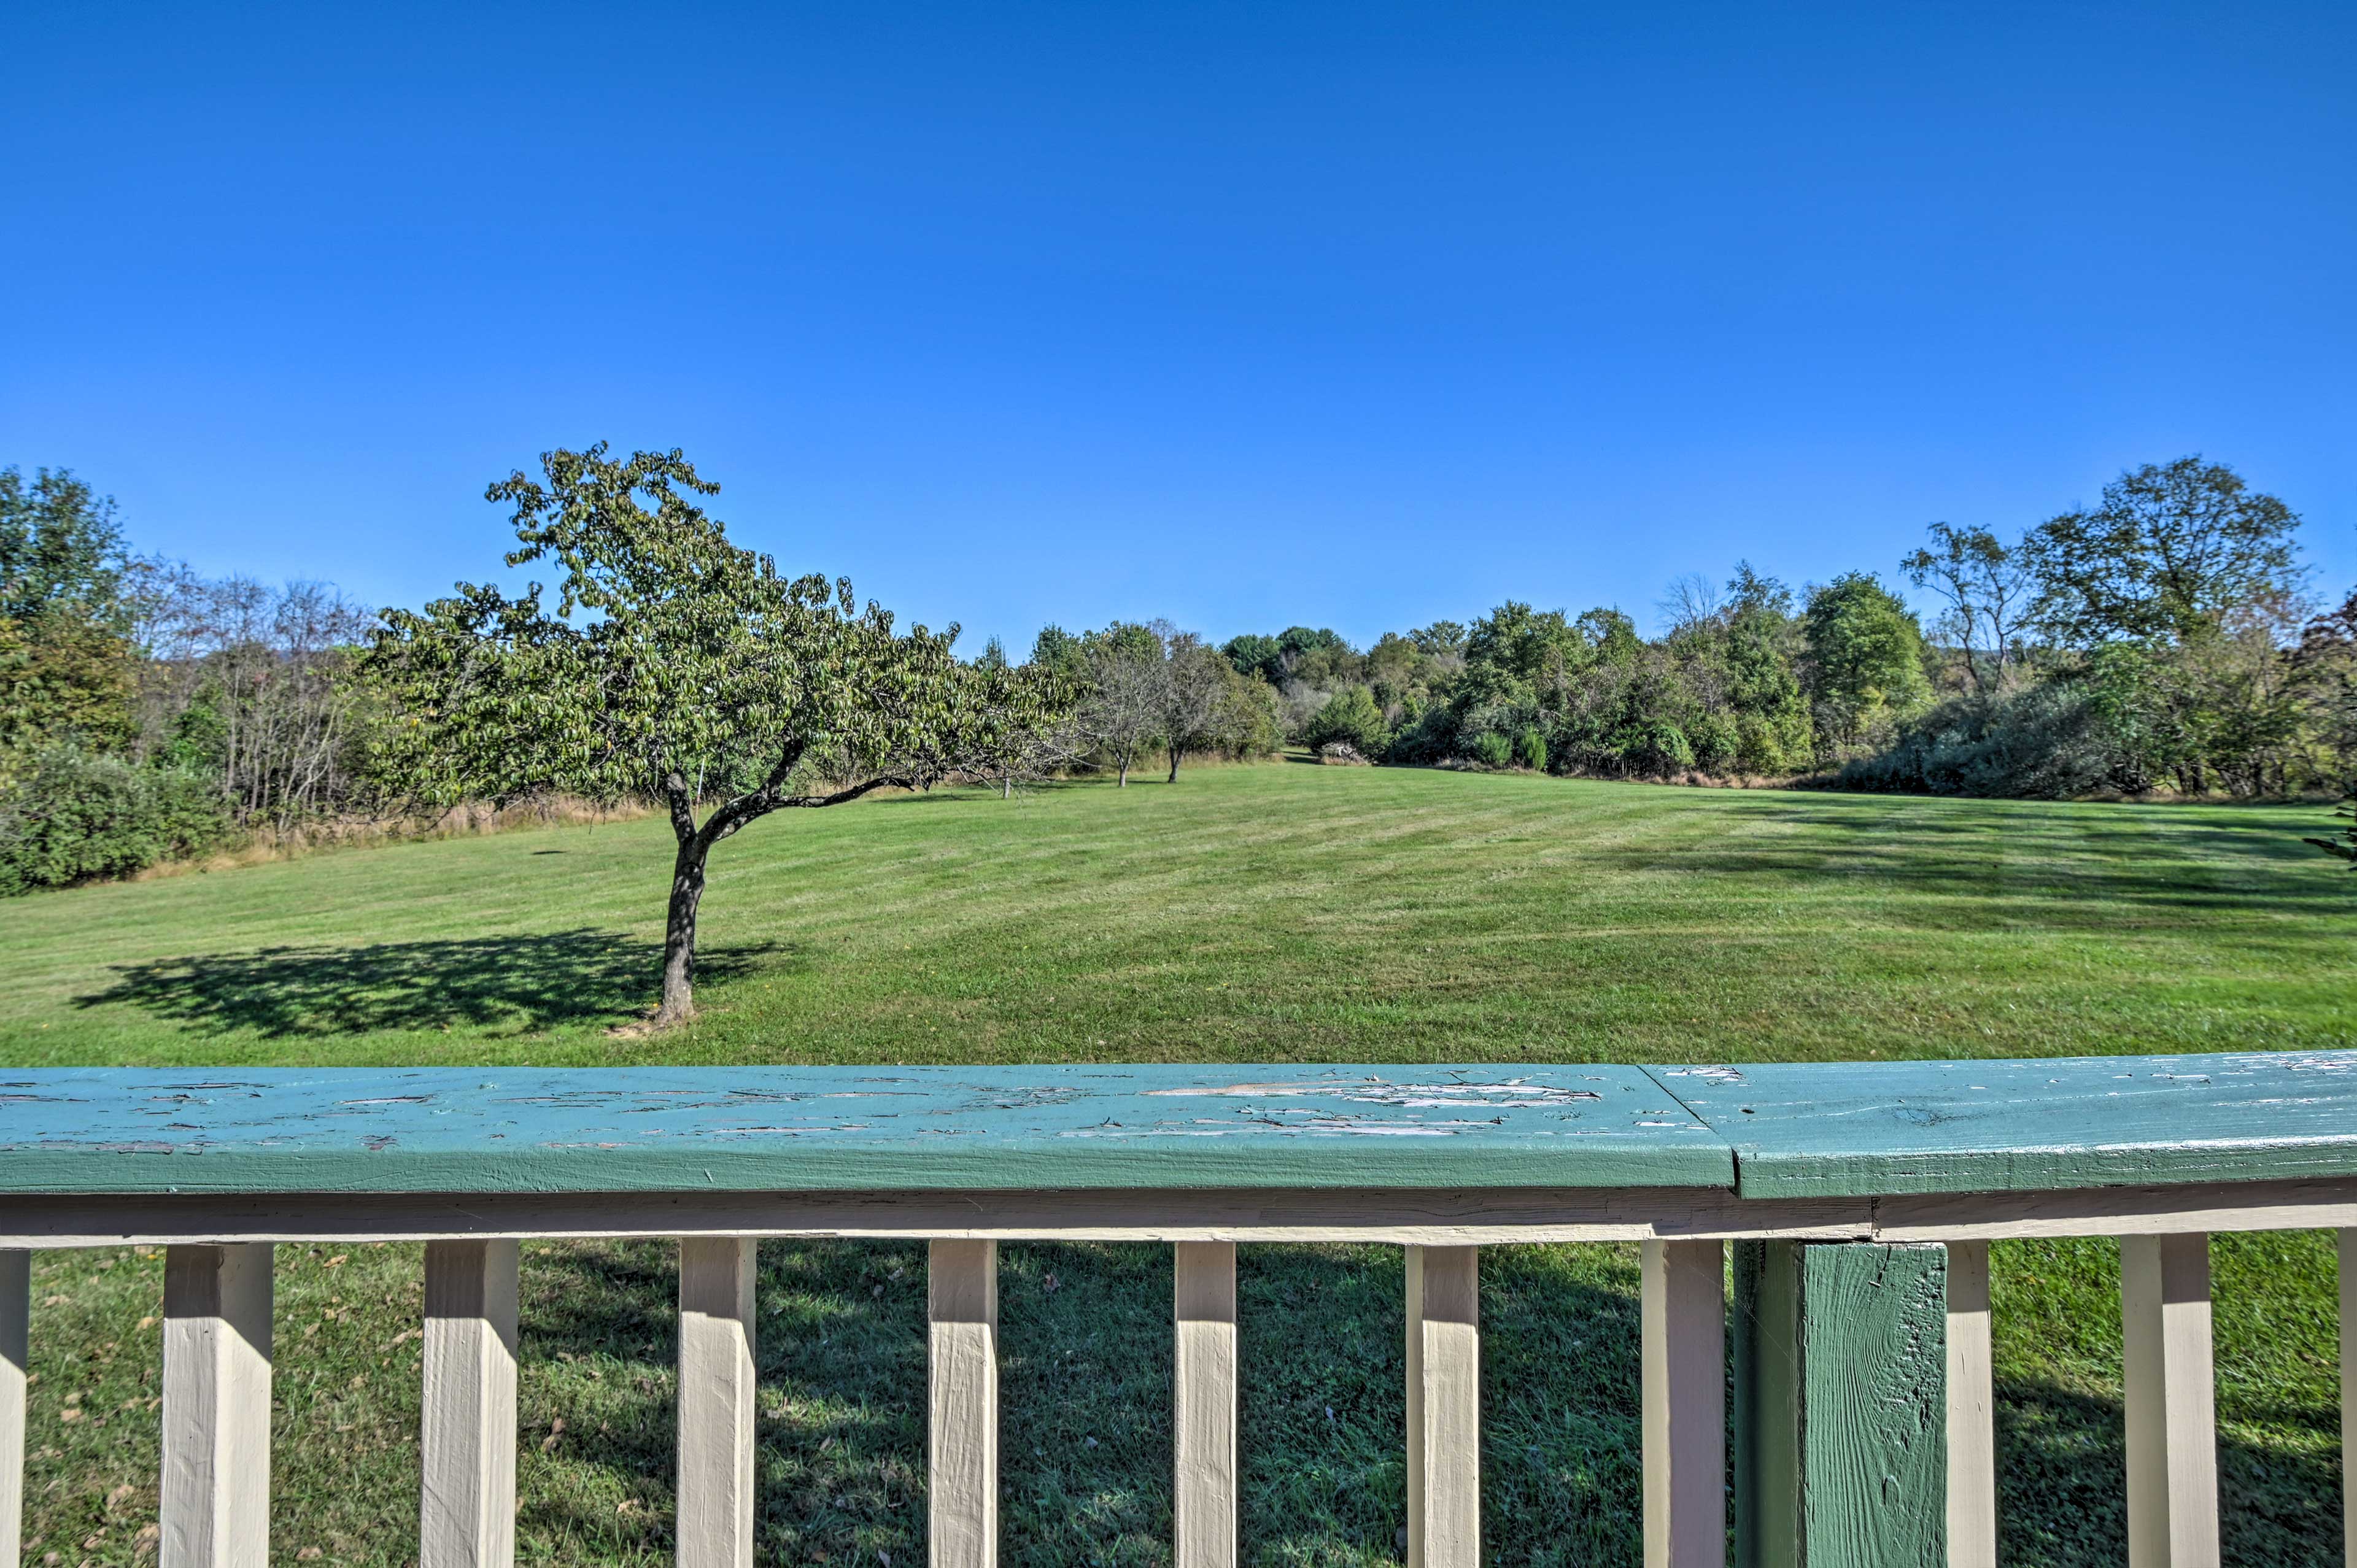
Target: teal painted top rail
{"points": [[1787, 1129]]}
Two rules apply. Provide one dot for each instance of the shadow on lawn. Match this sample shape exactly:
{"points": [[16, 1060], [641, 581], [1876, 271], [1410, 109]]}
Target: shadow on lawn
{"points": [[2062, 1482], [514, 983], [1085, 1438], [2059, 872]]}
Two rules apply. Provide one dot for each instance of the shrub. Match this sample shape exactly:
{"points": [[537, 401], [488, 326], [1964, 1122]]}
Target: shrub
{"points": [[1717, 743], [1657, 747], [2047, 742], [1350, 716], [1493, 751], [1530, 749], [1429, 736], [75, 814]]}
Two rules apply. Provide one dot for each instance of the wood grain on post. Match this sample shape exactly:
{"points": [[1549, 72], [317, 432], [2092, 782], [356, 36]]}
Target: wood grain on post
{"points": [[1684, 1308], [962, 1440], [1841, 1416], [716, 1402], [2172, 1424], [1203, 1402], [466, 1436], [1444, 1407], [215, 1469], [15, 1316], [1971, 1410]]}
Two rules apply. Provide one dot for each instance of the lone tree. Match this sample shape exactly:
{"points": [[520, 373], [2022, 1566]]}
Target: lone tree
{"points": [[675, 667], [1127, 673], [1194, 679]]}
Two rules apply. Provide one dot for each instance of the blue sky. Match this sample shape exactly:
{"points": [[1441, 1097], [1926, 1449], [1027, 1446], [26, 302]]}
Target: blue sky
{"points": [[1358, 314]]}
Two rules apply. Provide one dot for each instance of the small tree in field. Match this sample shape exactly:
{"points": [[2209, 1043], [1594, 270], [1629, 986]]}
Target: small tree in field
{"points": [[1194, 679], [674, 667], [1128, 675]]}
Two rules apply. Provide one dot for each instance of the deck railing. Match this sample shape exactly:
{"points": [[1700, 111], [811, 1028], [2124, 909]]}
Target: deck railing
{"points": [[1861, 1200]]}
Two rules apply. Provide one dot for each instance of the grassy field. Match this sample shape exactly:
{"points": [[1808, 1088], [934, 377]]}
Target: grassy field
{"points": [[1280, 912]]}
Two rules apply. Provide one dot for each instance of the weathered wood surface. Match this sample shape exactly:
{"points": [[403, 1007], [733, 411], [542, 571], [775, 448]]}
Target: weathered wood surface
{"points": [[1783, 1132], [1840, 1423], [812, 1128], [1877, 1128]]}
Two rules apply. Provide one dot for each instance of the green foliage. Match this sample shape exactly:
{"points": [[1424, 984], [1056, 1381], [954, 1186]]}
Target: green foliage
{"points": [[2171, 547], [1866, 656], [1716, 741], [673, 665], [1249, 718], [1350, 716], [73, 815], [1254, 654], [1492, 750], [2046, 742], [61, 549], [1530, 748], [1056, 649], [65, 659]]}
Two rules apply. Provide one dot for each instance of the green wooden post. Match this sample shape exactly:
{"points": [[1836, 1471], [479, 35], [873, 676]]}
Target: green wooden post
{"points": [[1840, 1405]]}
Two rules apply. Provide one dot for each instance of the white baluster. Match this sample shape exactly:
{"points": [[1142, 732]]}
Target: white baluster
{"points": [[1971, 1410], [1444, 1407], [16, 1313], [1683, 1306], [216, 1480], [2172, 1417], [1203, 1498], [961, 1449], [716, 1402], [466, 1437]]}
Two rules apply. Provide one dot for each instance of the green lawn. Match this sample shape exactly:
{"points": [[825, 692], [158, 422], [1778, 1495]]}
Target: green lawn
{"points": [[1279, 912]]}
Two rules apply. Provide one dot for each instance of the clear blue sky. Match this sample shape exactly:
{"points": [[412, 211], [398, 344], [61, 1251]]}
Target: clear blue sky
{"points": [[1359, 314]]}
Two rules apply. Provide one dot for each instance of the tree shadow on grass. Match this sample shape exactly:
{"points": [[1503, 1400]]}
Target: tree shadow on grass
{"points": [[2062, 1482], [1085, 1429], [509, 984]]}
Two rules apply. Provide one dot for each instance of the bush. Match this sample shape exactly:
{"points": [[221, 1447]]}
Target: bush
{"points": [[1657, 747], [75, 814], [1530, 749], [1429, 736], [1717, 742], [2048, 742], [1350, 716], [1493, 751]]}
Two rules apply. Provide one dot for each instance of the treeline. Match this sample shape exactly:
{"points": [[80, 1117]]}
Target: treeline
{"points": [[2160, 640], [148, 713]]}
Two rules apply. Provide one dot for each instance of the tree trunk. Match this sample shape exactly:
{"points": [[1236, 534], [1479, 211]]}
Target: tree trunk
{"points": [[678, 1003], [1125, 772], [1006, 786], [1175, 754]]}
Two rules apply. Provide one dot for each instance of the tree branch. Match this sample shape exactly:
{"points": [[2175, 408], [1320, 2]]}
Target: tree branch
{"points": [[750, 808]]}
